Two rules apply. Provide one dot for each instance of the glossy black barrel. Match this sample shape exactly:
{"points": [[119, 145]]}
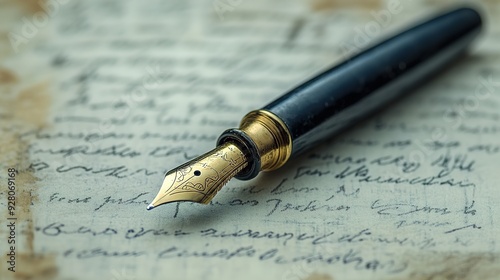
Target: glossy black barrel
{"points": [[344, 94]]}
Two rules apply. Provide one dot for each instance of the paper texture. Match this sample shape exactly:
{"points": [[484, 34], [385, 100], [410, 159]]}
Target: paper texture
{"points": [[100, 98]]}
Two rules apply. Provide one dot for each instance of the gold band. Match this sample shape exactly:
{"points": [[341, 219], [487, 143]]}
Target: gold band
{"points": [[271, 136]]}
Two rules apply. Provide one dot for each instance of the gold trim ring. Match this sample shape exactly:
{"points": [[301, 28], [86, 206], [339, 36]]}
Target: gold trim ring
{"points": [[271, 136]]}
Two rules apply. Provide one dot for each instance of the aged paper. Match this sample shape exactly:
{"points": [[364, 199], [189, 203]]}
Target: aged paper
{"points": [[100, 98]]}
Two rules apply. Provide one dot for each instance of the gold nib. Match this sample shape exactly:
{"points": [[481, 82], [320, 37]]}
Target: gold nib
{"points": [[267, 143], [201, 178]]}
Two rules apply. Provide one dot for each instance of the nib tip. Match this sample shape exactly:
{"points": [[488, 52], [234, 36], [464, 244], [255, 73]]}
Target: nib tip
{"points": [[150, 206]]}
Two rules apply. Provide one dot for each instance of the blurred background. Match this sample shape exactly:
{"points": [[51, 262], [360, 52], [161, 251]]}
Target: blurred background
{"points": [[101, 97]]}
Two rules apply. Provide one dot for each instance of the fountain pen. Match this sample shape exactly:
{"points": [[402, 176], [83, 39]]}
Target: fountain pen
{"points": [[323, 106]]}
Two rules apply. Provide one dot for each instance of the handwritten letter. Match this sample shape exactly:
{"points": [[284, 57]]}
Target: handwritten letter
{"points": [[102, 97]]}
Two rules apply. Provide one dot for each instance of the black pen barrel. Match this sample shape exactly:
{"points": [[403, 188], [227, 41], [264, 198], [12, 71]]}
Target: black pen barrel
{"points": [[342, 95]]}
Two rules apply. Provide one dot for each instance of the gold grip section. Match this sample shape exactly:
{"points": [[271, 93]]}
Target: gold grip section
{"points": [[271, 136]]}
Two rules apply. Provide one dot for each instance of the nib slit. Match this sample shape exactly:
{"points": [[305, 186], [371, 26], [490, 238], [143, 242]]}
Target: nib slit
{"points": [[201, 178]]}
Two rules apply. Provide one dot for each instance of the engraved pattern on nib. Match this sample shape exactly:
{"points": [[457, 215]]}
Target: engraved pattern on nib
{"points": [[201, 178]]}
